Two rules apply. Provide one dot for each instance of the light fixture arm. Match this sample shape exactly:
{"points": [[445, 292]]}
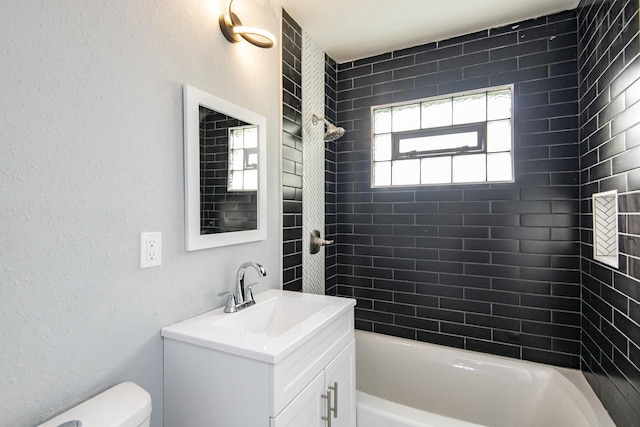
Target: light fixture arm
{"points": [[234, 31]]}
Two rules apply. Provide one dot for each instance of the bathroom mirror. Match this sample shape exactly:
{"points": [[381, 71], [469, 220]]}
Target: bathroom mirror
{"points": [[225, 172]]}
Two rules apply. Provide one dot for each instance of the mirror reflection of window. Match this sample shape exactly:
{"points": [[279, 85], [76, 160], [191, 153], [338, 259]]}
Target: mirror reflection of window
{"points": [[243, 155]]}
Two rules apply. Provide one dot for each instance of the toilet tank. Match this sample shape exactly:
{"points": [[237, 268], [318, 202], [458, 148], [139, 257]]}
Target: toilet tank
{"points": [[125, 405]]}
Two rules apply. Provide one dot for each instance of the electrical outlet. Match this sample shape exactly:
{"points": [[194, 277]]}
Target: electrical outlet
{"points": [[150, 249]]}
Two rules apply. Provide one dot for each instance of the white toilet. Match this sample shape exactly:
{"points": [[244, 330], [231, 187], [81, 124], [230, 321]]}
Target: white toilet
{"points": [[125, 405]]}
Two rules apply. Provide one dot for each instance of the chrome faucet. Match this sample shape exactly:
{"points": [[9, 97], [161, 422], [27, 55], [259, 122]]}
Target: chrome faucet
{"points": [[243, 297]]}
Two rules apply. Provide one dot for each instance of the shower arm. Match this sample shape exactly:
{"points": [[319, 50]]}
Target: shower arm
{"points": [[315, 119]]}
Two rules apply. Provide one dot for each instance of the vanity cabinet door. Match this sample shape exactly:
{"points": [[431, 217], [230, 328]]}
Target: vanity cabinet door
{"points": [[340, 376], [307, 409]]}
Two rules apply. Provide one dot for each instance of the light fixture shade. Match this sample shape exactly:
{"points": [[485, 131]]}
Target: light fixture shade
{"points": [[233, 30], [256, 36]]}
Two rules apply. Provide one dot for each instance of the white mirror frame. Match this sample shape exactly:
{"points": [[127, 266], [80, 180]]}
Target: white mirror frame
{"points": [[193, 99]]}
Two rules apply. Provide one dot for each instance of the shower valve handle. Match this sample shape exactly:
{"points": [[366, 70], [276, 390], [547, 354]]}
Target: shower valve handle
{"points": [[316, 242]]}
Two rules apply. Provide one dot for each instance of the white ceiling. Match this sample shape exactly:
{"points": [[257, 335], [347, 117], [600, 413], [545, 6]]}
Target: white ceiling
{"points": [[353, 29]]}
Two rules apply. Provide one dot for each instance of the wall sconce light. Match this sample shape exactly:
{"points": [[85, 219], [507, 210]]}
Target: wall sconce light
{"points": [[234, 31]]}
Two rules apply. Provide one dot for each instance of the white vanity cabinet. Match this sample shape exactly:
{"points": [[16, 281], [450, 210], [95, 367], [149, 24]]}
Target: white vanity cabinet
{"points": [[329, 400], [208, 382]]}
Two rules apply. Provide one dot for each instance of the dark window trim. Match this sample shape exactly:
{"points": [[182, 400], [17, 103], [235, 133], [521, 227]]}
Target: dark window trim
{"points": [[247, 153], [480, 128]]}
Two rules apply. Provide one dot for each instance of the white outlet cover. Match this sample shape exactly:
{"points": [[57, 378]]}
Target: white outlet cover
{"points": [[150, 249]]}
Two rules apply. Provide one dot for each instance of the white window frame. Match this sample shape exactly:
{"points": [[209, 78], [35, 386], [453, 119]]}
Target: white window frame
{"points": [[246, 165], [451, 153]]}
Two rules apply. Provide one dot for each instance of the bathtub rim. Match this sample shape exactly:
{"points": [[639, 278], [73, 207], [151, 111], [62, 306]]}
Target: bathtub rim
{"points": [[573, 376], [412, 416]]}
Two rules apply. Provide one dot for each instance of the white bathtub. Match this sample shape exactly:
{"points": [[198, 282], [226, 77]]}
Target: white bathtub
{"points": [[404, 383]]}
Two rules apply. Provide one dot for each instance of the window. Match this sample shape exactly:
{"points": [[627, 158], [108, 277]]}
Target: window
{"points": [[243, 158], [455, 139]]}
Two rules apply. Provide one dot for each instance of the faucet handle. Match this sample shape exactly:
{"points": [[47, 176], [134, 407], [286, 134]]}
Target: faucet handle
{"points": [[249, 294], [231, 306]]}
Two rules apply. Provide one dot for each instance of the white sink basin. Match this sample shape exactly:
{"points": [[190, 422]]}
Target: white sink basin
{"points": [[274, 316], [278, 323]]}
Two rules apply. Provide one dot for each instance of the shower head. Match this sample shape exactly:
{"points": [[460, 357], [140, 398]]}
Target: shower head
{"points": [[332, 133]]}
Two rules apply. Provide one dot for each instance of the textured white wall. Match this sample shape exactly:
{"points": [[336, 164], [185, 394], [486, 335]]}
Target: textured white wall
{"points": [[91, 139]]}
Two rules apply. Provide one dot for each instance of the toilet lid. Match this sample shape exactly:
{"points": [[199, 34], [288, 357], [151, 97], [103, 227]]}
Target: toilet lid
{"points": [[125, 405]]}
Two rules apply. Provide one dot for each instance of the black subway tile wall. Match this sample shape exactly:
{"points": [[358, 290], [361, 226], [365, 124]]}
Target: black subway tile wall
{"points": [[501, 268], [330, 225], [291, 154], [609, 69], [492, 268]]}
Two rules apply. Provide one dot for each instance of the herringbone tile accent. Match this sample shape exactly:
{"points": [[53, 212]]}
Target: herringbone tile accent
{"points": [[313, 160], [605, 221]]}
